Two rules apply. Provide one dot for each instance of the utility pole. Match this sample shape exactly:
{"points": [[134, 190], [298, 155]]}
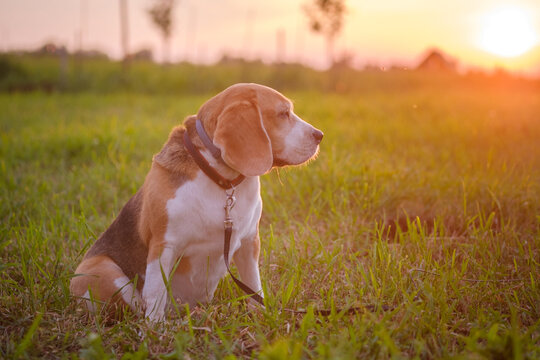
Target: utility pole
{"points": [[82, 26], [248, 35], [124, 33], [280, 46], [299, 47], [191, 33]]}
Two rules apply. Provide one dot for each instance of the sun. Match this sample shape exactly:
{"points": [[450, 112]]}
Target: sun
{"points": [[507, 31]]}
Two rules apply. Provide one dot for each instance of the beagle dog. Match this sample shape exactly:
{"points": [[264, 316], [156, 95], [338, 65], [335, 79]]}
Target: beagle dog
{"points": [[169, 235]]}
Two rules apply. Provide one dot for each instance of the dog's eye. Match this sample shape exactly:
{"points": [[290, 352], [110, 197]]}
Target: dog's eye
{"points": [[284, 114]]}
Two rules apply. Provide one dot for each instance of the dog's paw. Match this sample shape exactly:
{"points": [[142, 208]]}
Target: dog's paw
{"points": [[155, 316]]}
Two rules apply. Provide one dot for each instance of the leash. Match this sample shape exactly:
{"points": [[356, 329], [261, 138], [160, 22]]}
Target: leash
{"points": [[229, 186], [228, 228]]}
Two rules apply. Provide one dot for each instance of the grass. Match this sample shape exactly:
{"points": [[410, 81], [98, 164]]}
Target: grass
{"points": [[426, 201]]}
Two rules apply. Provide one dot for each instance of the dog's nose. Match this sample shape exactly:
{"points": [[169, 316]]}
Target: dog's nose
{"points": [[317, 135]]}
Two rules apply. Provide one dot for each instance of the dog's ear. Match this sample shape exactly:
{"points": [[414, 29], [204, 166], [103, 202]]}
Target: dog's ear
{"points": [[242, 138]]}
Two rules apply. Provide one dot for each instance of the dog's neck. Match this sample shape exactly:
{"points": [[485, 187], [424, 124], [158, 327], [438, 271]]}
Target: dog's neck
{"points": [[219, 165], [212, 154]]}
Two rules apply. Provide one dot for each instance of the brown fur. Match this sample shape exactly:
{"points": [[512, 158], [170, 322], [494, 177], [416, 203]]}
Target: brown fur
{"points": [[264, 101], [97, 273], [184, 267], [121, 242], [248, 151], [175, 158], [136, 235]]}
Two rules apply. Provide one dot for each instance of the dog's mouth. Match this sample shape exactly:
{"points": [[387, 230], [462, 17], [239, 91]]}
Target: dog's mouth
{"points": [[297, 160], [279, 162]]}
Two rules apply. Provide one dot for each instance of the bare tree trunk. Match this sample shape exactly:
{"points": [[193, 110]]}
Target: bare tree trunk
{"points": [[330, 40], [166, 50], [124, 33]]}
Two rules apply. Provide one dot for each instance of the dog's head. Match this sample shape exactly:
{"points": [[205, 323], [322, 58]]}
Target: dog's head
{"points": [[255, 128]]}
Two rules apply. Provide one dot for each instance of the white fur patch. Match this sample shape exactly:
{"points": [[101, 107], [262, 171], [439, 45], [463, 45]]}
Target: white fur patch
{"points": [[129, 294], [89, 303], [300, 145], [195, 231], [154, 291]]}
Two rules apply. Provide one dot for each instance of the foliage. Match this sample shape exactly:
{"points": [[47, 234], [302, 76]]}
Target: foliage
{"points": [[23, 73], [326, 17], [161, 15], [424, 198]]}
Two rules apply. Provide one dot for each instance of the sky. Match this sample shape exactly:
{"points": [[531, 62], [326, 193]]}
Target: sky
{"points": [[478, 33]]}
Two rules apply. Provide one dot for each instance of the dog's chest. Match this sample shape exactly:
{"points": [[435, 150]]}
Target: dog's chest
{"points": [[196, 214], [195, 231]]}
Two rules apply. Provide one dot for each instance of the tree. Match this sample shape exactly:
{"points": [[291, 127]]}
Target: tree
{"points": [[161, 15], [326, 17]]}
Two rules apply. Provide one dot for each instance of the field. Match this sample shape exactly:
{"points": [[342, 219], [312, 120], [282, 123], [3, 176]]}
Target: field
{"points": [[423, 200]]}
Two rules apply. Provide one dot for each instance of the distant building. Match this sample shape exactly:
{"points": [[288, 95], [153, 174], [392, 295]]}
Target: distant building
{"points": [[436, 61]]}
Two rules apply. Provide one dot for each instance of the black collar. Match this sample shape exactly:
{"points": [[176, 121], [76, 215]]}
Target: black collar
{"points": [[203, 164], [216, 152]]}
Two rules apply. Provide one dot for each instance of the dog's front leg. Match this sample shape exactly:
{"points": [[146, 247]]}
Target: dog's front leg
{"points": [[246, 259], [160, 261]]}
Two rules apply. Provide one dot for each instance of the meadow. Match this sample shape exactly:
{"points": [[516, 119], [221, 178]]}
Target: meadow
{"points": [[423, 206]]}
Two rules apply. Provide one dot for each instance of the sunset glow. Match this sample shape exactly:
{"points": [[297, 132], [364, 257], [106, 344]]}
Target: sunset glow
{"points": [[507, 31], [485, 34]]}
